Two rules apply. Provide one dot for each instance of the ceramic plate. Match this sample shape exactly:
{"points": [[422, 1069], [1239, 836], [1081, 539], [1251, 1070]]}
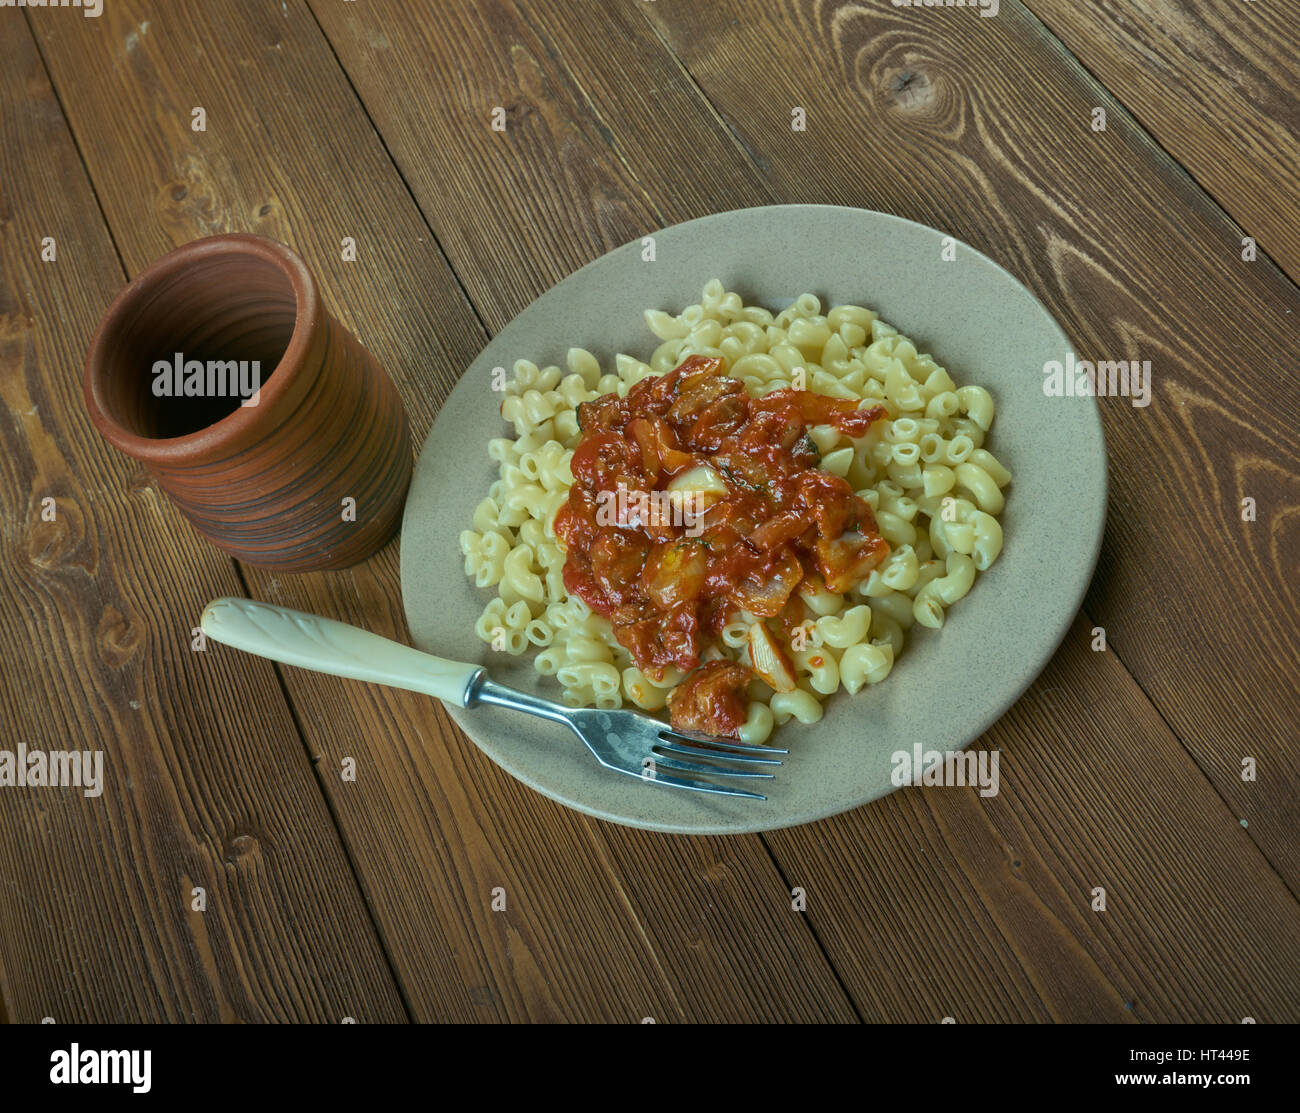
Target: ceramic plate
{"points": [[948, 685]]}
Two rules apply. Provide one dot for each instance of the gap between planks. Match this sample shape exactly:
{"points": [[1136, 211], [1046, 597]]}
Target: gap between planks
{"points": [[1194, 187], [758, 166], [237, 567], [589, 824], [1148, 134]]}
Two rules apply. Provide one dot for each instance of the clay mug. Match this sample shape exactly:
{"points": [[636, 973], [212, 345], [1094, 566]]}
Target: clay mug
{"points": [[263, 420]]}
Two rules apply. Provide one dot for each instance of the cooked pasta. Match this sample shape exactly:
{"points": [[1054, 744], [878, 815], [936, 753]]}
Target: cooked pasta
{"points": [[924, 471]]}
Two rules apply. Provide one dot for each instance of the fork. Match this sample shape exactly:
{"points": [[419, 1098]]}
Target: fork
{"points": [[624, 741]]}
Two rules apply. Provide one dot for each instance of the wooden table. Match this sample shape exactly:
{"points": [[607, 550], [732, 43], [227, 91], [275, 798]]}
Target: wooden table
{"points": [[322, 898]]}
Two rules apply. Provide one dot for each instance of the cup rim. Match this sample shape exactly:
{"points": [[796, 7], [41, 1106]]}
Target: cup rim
{"points": [[230, 428]]}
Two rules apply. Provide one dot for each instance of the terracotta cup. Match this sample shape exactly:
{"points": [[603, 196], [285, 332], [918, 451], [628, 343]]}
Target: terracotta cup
{"points": [[265, 476]]}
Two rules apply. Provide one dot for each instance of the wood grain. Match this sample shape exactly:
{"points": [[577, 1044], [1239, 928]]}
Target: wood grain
{"points": [[432, 826], [620, 122], [983, 909], [1217, 86], [205, 783], [941, 101], [559, 186], [573, 88]]}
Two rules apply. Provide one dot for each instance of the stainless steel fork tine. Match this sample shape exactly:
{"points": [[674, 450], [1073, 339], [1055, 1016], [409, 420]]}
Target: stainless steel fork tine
{"points": [[622, 741], [699, 767], [721, 755], [702, 786], [721, 743]]}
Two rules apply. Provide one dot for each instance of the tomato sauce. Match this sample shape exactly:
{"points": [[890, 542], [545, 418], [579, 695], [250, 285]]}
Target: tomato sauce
{"points": [[761, 521]]}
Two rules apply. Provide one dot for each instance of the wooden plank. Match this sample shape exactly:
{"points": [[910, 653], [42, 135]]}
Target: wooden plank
{"points": [[944, 123], [432, 826], [205, 781], [702, 928], [559, 187], [947, 120], [1096, 792], [1217, 86], [610, 85]]}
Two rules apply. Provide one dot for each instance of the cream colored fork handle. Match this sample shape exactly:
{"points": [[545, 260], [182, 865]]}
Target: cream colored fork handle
{"points": [[308, 641]]}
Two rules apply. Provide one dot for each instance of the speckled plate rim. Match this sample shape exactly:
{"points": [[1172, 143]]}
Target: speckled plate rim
{"points": [[948, 686]]}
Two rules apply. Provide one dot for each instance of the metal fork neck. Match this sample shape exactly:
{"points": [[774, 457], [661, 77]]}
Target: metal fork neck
{"points": [[483, 689]]}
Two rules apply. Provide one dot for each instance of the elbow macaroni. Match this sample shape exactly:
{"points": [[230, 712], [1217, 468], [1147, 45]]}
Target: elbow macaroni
{"points": [[935, 490]]}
